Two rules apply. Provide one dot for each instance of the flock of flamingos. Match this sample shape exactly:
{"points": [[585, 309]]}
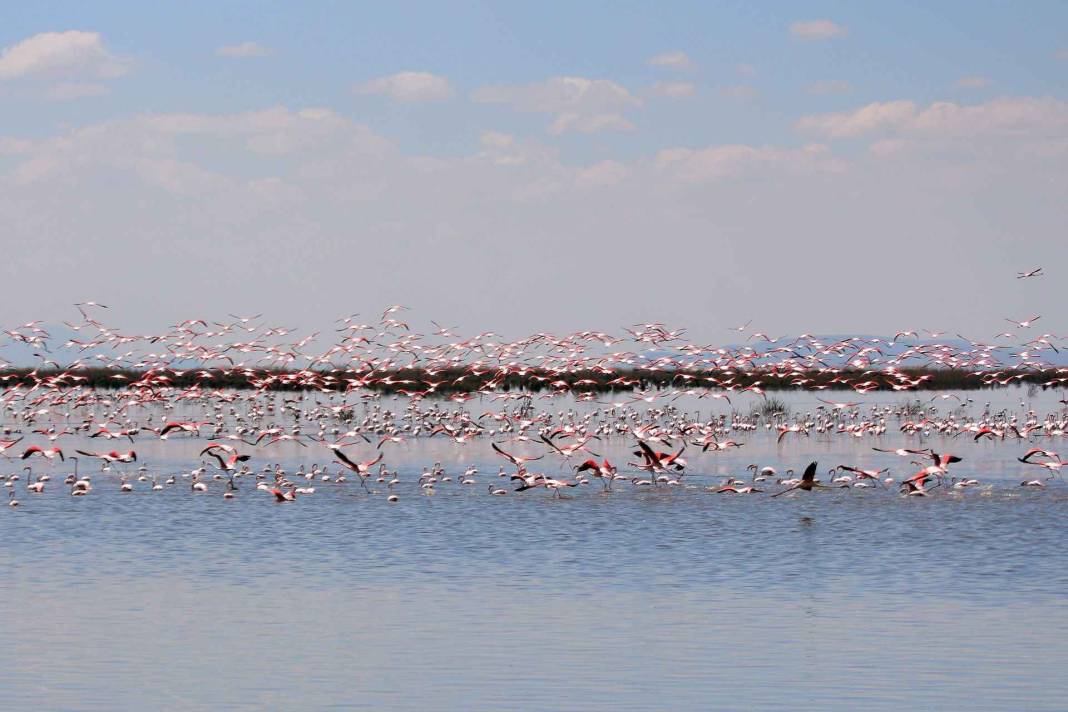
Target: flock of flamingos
{"points": [[317, 395]]}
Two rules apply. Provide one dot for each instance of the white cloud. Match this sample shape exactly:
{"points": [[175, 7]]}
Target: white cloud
{"points": [[505, 150], [589, 123], [13, 146], [1005, 116], [276, 131], [816, 29], [501, 149], [672, 60], [890, 146], [721, 162], [559, 94], [581, 104], [409, 87], [971, 82], [602, 175], [829, 86], [674, 90], [70, 53], [183, 203], [873, 117], [146, 146], [244, 49]]}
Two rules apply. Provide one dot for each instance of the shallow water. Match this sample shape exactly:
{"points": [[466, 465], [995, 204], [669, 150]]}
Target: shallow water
{"points": [[645, 598]]}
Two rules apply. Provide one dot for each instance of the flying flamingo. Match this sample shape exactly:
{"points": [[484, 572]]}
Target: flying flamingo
{"points": [[808, 481], [49, 454], [362, 469], [1026, 324], [7, 444], [517, 460]]}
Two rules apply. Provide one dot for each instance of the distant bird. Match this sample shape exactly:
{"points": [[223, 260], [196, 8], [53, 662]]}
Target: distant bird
{"points": [[1033, 273], [903, 452], [1025, 324], [795, 428], [838, 406], [113, 456], [735, 489]]}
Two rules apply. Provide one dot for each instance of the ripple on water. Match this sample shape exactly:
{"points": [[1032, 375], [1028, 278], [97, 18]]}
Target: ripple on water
{"points": [[673, 598]]}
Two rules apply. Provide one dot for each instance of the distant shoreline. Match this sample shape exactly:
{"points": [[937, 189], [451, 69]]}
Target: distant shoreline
{"points": [[445, 382]]}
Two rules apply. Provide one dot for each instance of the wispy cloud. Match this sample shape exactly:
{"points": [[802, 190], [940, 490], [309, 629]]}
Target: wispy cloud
{"points": [[593, 123], [674, 90], [584, 105], [244, 49], [672, 60], [721, 162], [409, 87], [1012, 116], [816, 29]]}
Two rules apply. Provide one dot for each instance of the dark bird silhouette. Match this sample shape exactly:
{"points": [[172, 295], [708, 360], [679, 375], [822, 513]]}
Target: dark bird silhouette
{"points": [[808, 481]]}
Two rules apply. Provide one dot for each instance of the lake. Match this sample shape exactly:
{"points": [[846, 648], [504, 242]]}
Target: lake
{"points": [[642, 598]]}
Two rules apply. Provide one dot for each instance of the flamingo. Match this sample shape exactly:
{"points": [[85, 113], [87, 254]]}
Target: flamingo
{"points": [[229, 463], [362, 469], [112, 456], [808, 481], [49, 454], [657, 462], [280, 496], [517, 460], [864, 474], [5, 445], [606, 471], [1025, 324]]}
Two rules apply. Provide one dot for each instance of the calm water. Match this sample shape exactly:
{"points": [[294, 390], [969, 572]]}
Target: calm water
{"points": [[642, 599]]}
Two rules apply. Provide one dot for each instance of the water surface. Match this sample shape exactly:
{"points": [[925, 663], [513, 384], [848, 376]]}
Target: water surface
{"points": [[650, 598]]}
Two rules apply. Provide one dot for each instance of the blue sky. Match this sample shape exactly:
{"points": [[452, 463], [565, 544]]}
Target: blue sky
{"points": [[320, 50], [533, 143]]}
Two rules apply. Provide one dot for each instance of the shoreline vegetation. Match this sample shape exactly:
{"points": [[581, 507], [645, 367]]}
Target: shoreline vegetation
{"points": [[464, 380]]}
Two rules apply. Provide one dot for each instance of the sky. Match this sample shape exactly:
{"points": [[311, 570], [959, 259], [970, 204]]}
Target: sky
{"points": [[828, 167]]}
